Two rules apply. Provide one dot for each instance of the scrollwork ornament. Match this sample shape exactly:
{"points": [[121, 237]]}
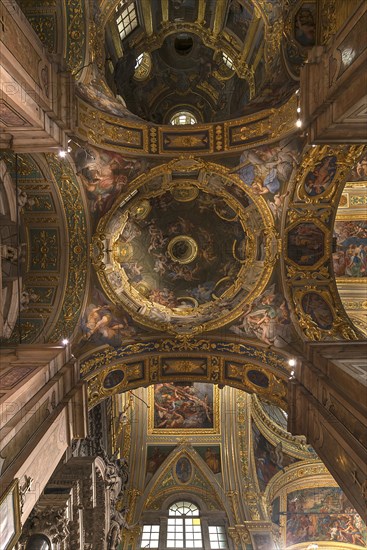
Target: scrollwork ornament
{"points": [[76, 18]]}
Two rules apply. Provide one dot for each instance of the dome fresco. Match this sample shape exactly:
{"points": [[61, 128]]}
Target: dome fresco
{"points": [[189, 254]]}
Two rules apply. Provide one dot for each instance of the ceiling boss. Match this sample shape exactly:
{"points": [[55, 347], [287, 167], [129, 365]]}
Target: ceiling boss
{"points": [[191, 271]]}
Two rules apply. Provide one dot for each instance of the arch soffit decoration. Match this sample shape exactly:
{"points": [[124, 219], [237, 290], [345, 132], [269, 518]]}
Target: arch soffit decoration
{"points": [[55, 278], [308, 279], [225, 362]]}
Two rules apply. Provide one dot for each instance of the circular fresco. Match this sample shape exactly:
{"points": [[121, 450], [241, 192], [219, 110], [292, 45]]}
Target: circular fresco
{"points": [[186, 257]]}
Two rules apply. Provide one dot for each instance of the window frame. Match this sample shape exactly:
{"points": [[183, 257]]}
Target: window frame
{"points": [[184, 518], [180, 114], [207, 519], [126, 11], [151, 525]]}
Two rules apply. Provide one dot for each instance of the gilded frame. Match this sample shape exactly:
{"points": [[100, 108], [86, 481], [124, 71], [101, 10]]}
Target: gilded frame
{"points": [[10, 504], [351, 216], [185, 431]]}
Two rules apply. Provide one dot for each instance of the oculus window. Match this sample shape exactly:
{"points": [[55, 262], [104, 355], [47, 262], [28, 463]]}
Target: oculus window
{"points": [[126, 19], [143, 65]]}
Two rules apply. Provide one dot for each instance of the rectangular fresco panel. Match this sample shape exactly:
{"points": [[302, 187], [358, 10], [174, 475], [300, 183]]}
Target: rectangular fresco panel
{"points": [[183, 406], [323, 513], [350, 258]]}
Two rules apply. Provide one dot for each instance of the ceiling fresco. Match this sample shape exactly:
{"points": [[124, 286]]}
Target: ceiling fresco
{"points": [[191, 272], [188, 265]]}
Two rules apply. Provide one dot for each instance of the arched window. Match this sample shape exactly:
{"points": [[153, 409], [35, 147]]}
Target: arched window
{"points": [[184, 526], [183, 117]]}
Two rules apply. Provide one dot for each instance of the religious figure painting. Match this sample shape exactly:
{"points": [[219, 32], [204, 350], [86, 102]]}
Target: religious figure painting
{"points": [[211, 456], [319, 179], [156, 455], [162, 246], [105, 175], [105, 323], [350, 257], [266, 318], [183, 470], [267, 170], [239, 19], [183, 406], [305, 245], [323, 514], [113, 379], [359, 171], [305, 25], [269, 459], [319, 310]]}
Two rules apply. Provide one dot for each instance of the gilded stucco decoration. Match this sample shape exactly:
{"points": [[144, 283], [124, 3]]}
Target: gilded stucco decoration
{"points": [[118, 376], [77, 31], [53, 277], [184, 469], [76, 284], [274, 432], [307, 247], [105, 122], [175, 274], [93, 361]]}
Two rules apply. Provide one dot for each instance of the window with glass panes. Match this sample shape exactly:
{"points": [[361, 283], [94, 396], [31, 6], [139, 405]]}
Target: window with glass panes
{"points": [[217, 537], [126, 18], [183, 118], [184, 526], [228, 61], [150, 537]]}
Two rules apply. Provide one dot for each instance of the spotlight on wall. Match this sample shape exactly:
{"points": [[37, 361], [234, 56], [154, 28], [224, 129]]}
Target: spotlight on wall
{"points": [[292, 362], [312, 547], [298, 109], [65, 341], [62, 153], [299, 123]]}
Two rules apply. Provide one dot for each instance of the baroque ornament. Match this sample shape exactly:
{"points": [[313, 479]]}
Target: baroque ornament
{"points": [[188, 274]]}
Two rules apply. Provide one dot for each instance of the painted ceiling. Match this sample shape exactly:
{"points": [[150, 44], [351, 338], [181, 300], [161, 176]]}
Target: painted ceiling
{"points": [[223, 230]]}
